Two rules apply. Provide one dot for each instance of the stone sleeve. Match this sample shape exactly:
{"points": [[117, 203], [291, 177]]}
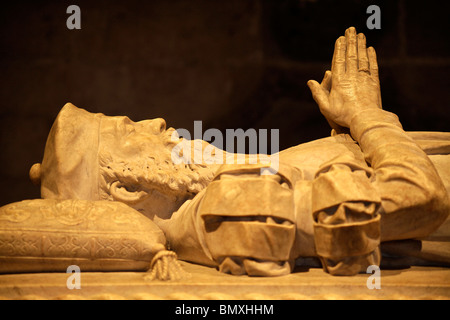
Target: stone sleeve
{"points": [[355, 208], [346, 218], [414, 199]]}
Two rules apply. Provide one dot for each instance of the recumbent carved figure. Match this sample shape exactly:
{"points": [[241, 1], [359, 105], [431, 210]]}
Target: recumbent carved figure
{"points": [[335, 199]]}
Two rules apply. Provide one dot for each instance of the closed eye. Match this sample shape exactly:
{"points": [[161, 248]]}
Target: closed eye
{"points": [[126, 126]]}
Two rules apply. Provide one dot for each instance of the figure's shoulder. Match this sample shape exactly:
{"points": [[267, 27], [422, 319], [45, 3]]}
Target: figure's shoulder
{"points": [[308, 157], [333, 140]]}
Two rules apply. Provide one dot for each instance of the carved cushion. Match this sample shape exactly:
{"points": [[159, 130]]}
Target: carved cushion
{"points": [[44, 235]]}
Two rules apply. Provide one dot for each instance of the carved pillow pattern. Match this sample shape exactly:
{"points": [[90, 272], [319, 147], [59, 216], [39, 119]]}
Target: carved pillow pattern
{"points": [[49, 235]]}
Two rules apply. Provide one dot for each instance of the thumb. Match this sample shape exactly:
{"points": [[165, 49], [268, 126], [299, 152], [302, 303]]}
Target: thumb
{"points": [[319, 94]]}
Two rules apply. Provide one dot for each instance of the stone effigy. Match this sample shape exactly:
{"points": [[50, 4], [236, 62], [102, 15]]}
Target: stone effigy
{"points": [[335, 200]]}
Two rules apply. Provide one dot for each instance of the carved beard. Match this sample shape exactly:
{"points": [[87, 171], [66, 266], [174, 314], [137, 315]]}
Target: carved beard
{"points": [[156, 171]]}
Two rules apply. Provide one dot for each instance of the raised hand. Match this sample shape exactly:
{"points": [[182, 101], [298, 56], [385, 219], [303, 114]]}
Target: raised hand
{"points": [[352, 85]]}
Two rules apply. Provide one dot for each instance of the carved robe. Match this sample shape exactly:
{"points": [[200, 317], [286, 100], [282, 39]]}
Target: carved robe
{"points": [[334, 198]]}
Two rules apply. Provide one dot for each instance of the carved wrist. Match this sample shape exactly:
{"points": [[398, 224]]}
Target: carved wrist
{"points": [[367, 119]]}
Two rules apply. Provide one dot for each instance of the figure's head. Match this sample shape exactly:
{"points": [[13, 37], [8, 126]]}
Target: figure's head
{"points": [[97, 157]]}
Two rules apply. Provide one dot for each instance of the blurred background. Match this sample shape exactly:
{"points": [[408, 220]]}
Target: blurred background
{"points": [[232, 64]]}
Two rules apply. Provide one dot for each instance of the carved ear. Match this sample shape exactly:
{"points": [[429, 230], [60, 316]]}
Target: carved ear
{"points": [[125, 194]]}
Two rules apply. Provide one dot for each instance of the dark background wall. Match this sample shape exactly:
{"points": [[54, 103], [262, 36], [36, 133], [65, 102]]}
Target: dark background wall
{"points": [[232, 64]]}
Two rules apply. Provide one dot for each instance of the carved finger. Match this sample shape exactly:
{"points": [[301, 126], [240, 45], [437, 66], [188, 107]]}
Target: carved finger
{"points": [[319, 94], [326, 82], [373, 64], [363, 60], [338, 63], [352, 51]]}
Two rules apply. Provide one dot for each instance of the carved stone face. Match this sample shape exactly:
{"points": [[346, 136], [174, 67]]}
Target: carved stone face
{"points": [[97, 157], [136, 167]]}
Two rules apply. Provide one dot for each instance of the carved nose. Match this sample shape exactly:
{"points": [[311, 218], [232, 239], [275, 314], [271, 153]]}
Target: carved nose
{"points": [[159, 125], [156, 126]]}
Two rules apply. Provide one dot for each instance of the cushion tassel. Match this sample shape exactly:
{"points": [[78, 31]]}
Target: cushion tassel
{"points": [[165, 266]]}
